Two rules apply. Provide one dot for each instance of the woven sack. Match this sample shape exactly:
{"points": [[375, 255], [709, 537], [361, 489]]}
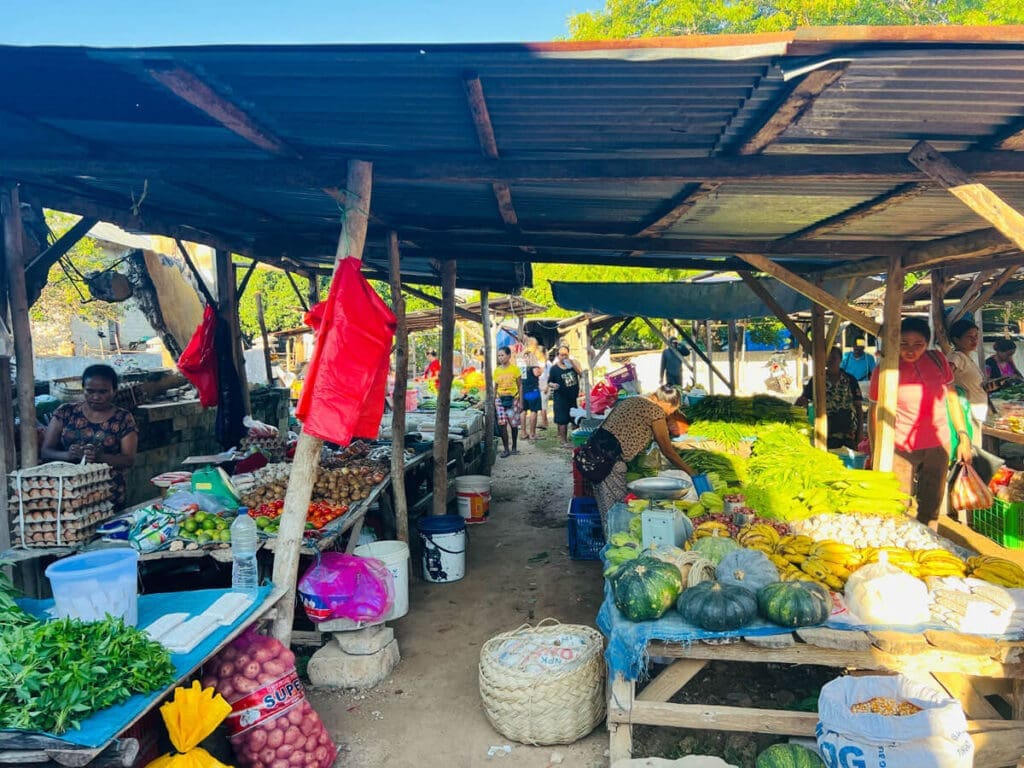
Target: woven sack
{"points": [[554, 695]]}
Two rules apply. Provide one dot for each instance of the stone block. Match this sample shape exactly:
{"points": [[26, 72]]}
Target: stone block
{"points": [[835, 639], [346, 625], [363, 642], [331, 667], [772, 641]]}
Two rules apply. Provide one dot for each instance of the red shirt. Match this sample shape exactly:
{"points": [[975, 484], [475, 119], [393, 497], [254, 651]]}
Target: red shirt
{"points": [[921, 420], [433, 369]]}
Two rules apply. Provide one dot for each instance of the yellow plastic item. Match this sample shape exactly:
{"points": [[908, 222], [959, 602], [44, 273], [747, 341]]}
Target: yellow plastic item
{"points": [[192, 716]]}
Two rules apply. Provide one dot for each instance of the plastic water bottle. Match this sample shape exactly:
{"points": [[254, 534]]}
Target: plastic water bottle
{"points": [[244, 570]]}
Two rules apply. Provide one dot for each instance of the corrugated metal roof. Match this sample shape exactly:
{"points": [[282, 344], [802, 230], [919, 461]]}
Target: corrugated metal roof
{"points": [[94, 131]]}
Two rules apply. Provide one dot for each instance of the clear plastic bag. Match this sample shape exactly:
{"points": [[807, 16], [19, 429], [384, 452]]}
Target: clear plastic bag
{"points": [[343, 586], [882, 594]]}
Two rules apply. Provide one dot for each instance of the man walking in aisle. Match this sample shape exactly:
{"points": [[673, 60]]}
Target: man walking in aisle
{"points": [[508, 402], [672, 363], [858, 362]]}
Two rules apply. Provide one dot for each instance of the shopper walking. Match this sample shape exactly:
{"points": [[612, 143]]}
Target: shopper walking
{"points": [[564, 383], [533, 369], [508, 401], [672, 363]]}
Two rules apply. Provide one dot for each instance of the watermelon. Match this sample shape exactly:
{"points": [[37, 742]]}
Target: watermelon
{"points": [[789, 756], [645, 588], [794, 603]]}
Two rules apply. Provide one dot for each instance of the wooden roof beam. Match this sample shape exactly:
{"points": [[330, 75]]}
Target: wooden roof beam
{"points": [[970, 293], [811, 291], [679, 207], [188, 86], [861, 211], [489, 147], [971, 193], [992, 289], [62, 245], [769, 301], [799, 101]]}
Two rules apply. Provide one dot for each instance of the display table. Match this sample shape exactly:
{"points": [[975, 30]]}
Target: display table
{"points": [[99, 732], [967, 667]]}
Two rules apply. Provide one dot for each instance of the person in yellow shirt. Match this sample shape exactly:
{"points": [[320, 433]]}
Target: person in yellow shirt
{"points": [[508, 390]]}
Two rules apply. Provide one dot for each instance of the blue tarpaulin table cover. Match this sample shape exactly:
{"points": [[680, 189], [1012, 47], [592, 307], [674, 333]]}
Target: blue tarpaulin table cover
{"points": [[102, 727]]}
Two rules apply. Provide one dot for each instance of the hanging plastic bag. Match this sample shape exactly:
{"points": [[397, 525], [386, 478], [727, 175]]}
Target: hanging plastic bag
{"points": [[343, 586], [343, 394], [967, 491], [193, 715], [931, 734], [603, 397], [271, 720], [198, 362]]}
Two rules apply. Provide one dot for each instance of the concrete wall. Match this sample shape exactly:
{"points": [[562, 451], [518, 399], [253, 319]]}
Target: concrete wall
{"points": [[47, 368]]}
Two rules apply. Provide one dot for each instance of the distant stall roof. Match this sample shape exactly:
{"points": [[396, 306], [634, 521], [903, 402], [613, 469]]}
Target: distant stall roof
{"points": [[674, 152], [499, 307], [692, 301]]}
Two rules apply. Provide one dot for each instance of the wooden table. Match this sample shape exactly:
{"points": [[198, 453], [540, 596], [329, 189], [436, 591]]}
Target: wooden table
{"points": [[968, 668], [992, 436]]}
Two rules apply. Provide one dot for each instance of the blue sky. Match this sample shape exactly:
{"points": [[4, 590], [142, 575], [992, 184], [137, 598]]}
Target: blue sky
{"points": [[185, 22]]}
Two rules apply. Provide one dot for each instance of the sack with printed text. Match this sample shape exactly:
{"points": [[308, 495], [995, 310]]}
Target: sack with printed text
{"points": [[891, 722]]}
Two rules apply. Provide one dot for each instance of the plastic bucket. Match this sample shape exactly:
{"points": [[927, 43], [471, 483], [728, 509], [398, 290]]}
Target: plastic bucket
{"points": [[394, 555], [93, 584], [444, 548], [474, 497]]}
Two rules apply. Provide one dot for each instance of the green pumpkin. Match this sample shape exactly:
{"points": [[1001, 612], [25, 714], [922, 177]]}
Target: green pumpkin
{"points": [[715, 547], [718, 607], [789, 756], [794, 603], [645, 588], [746, 568]]}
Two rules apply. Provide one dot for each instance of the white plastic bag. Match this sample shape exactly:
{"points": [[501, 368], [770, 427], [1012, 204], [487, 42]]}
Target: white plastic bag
{"points": [[935, 737], [882, 594]]}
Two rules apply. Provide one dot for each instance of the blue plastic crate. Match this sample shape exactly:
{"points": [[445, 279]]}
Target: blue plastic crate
{"points": [[586, 534]]}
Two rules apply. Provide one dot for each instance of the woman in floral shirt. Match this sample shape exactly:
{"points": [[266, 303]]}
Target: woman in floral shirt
{"points": [[844, 403], [96, 429]]}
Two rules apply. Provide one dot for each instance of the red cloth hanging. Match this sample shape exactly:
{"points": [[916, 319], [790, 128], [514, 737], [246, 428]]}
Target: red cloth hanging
{"points": [[343, 394], [198, 361]]}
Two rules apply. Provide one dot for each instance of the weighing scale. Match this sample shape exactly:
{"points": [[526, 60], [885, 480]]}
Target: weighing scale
{"points": [[660, 526]]}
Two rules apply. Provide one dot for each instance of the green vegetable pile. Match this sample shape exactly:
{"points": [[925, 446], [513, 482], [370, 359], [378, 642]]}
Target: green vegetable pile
{"points": [[745, 410], [54, 674]]}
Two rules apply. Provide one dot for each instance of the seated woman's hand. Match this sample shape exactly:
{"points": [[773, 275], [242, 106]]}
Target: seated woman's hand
{"points": [[75, 452]]}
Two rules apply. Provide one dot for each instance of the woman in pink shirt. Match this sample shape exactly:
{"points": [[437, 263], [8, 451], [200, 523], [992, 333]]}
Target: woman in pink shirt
{"points": [[926, 390]]}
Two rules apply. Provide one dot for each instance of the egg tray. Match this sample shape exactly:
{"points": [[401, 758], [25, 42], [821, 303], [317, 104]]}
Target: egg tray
{"points": [[72, 531], [68, 506], [60, 469], [87, 492]]}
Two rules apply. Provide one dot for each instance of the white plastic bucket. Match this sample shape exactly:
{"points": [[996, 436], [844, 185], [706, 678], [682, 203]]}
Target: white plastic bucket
{"points": [[444, 548], [474, 497], [394, 555], [90, 585]]}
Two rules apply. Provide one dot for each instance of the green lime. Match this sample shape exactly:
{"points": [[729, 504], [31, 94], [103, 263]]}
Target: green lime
{"points": [[221, 524], [224, 535], [199, 516], [190, 525], [262, 522], [209, 524], [204, 538]]}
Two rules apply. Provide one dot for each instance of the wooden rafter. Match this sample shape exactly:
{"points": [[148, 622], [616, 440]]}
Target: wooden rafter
{"points": [[63, 244], [680, 207], [861, 211], [971, 193], [612, 336], [800, 99], [188, 86], [489, 147], [246, 277], [970, 293], [769, 301], [937, 290], [992, 289], [811, 291]]}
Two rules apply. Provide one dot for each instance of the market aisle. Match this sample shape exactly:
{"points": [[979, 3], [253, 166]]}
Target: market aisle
{"points": [[428, 712]]}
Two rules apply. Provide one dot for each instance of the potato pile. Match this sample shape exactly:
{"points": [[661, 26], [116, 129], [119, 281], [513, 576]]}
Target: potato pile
{"points": [[337, 483], [345, 485]]}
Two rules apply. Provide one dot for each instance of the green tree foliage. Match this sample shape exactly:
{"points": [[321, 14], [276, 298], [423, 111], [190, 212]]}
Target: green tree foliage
{"points": [[655, 18], [281, 306], [61, 300]]}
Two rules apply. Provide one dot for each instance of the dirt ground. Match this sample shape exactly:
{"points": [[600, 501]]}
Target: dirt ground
{"points": [[428, 712]]}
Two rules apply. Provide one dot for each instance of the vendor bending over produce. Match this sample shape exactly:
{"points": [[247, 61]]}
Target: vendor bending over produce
{"points": [[96, 430], [627, 431], [923, 438]]}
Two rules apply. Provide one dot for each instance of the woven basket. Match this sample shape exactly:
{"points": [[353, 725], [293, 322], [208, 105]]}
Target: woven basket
{"points": [[550, 705]]}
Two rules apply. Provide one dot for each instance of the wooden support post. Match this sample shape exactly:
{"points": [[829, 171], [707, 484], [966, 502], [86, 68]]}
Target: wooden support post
{"points": [[307, 450], [10, 211], [266, 339], [401, 379], [710, 346], [811, 291], [489, 413], [937, 314], [819, 356], [7, 453], [732, 358], [444, 387], [769, 301], [227, 308], [201, 285], [884, 439], [313, 288]]}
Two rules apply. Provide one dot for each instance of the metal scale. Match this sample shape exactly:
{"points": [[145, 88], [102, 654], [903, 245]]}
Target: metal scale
{"points": [[662, 526]]}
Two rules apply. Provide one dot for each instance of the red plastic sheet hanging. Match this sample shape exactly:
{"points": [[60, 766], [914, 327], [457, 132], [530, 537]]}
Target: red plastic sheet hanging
{"points": [[198, 361], [343, 394]]}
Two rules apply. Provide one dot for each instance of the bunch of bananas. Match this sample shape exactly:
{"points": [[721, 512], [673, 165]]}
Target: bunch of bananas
{"points": [[711, 528], [802, 558], [760, 536], [938, 562], [996, 570]]}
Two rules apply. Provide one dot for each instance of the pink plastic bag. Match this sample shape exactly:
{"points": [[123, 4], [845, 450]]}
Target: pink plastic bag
{"points": [[603, 397], [343, 586]]}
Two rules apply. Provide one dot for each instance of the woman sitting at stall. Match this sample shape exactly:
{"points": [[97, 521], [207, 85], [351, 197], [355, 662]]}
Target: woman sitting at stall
{"points": [[629, 429], [96, 429], [926, 394], [844, 403], [1000, 365]]}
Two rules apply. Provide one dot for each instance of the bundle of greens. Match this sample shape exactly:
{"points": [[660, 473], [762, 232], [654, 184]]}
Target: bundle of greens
{"points": [[54, 674], [745, 410]]}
